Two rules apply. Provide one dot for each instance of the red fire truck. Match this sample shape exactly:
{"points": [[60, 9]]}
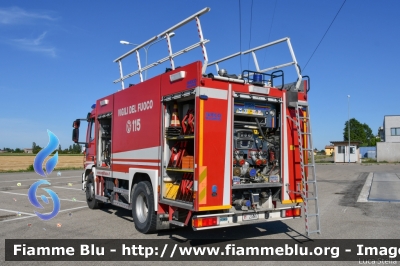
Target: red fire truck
{"points": [[191, 148]]}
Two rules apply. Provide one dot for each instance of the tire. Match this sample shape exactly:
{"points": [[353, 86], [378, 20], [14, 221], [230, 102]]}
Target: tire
{"points": [[143, 212], [90, 199]]}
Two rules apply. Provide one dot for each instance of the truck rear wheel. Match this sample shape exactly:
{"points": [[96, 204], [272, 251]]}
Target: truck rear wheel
{"points": [[92, 202], [143, 212]]}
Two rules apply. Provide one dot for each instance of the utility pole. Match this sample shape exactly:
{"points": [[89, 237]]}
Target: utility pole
{"points": [[348, 116]]}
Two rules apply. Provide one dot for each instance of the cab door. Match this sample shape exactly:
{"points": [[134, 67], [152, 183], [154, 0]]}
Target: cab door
{"points": [[90, 149]]}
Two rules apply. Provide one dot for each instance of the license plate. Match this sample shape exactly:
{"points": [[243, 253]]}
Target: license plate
{"points": [[248, 217]]}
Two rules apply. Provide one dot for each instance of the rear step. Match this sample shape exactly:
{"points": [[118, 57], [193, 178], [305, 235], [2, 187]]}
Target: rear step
{"points": [[177, 223]]}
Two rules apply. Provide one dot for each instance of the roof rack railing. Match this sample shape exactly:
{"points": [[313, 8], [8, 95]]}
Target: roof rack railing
{"points": [[253, 50], [171, 55]]}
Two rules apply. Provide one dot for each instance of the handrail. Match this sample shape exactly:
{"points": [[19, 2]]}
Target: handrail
{"points": [[223, 59], [171, 55], [185, 21], [160, 61], [252, 51]]}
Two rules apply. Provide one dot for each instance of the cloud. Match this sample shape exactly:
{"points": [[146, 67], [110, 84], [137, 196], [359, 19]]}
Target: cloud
{"points": [[35, 45], [16, 15]]}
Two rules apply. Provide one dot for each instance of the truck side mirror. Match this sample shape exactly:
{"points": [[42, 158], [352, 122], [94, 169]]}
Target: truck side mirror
{"points": [[76, 123], [75, 135], [75, 132]]}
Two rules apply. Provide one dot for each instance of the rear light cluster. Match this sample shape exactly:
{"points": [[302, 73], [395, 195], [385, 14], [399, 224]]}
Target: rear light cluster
{"points": [[294, 212], [204, 222]]}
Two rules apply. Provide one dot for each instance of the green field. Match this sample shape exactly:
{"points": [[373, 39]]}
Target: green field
{"points": [[12, 162]]}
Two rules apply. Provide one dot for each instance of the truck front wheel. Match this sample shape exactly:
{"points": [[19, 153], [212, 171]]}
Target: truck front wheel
{"points": [[143, 212], [92, 202]]}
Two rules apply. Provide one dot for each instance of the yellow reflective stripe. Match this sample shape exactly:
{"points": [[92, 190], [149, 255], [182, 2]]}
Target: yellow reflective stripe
{"points": [[292, 201], [203, 173], [203, 185], [213, 208]]}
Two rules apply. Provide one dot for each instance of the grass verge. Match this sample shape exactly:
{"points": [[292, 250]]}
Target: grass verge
{"points": [[374, 161]]}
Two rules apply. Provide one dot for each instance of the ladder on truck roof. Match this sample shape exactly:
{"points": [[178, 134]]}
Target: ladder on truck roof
{"points": [[309, 191], [171, 56], [253, 50], [201, 43]]}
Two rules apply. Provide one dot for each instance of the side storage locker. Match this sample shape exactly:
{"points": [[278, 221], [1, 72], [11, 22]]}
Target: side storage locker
{"points": [[178, 149]]}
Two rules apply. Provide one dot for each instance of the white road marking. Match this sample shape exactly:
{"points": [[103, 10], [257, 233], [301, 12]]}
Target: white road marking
{"points": [[35, 215], [32, 179], [69, 188], [18, 212], [26, 217], [364, 194], [38, 196], [74, 208]]}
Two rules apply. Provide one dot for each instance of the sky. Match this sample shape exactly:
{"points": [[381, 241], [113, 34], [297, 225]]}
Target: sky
{"points": [[56, 57]]}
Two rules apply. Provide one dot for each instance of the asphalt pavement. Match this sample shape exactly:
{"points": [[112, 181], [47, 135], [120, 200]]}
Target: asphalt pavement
{"points": [[348, 207]]}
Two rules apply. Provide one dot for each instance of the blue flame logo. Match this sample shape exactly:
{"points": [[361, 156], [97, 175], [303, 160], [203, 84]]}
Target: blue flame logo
{"points": [[34, 201], [50, 165], [46, 151]]}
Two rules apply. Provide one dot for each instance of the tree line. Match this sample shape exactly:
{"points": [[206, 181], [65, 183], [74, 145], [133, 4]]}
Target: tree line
{"points": [[72, 149], [358, 132]]}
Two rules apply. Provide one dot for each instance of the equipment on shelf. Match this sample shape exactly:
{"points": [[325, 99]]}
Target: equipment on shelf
{"points": [[177, 152], [188, 123]]}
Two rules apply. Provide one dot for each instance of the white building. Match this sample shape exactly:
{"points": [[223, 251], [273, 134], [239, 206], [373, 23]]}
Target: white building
{"points": [[389, 147], [28, 150], [344, 154]]}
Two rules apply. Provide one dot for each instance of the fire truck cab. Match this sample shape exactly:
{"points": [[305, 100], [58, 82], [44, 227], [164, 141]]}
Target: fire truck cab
{"points": [[207, 150]]}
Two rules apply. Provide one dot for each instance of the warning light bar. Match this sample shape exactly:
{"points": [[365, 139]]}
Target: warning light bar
{"points": [[293, 212], [204, 222]]}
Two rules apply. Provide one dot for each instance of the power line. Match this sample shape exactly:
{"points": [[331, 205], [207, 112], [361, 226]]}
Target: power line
{"points": [[270, 29], [240, 35], [251, 22], [272, 22], [324, 34]]}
